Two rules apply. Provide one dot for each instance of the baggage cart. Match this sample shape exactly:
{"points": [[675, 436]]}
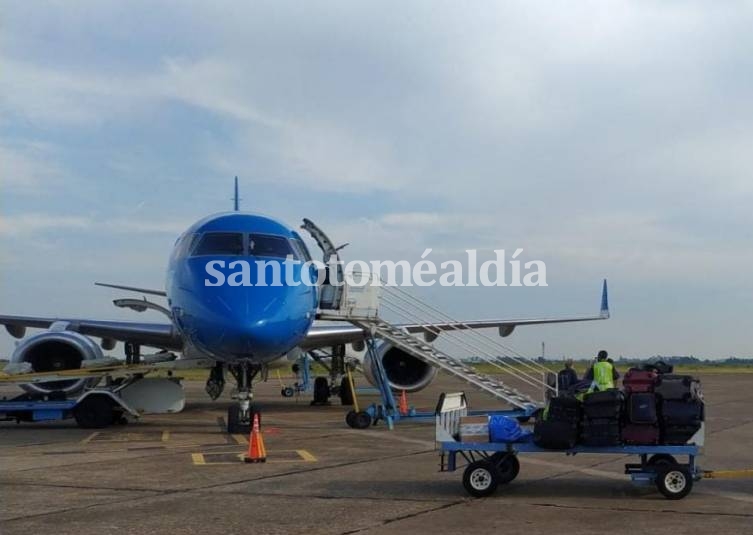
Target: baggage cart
{"points": [[672, 469]]}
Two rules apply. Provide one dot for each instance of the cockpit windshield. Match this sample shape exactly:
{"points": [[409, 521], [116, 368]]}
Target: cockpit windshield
{"points": [[267, 245], [220, 243], [303, 251]]}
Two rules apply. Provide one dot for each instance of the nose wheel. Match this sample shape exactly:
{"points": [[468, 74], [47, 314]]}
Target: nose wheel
{"points": [[237, 422], [241, 415]]}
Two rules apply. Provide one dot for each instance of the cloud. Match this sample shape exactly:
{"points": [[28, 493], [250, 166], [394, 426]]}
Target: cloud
{"points": [[137, 225], [26, 224], [607, 138], [27, 167], [35, 223]]}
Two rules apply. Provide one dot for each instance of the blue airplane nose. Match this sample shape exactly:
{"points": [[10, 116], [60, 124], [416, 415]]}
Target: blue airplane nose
{"points": [[252, 336], [255, 322], [248, 323], [240, 335]]}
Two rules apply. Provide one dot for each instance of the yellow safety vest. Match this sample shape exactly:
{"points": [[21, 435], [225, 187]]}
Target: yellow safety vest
{"points": [[603, 375]]}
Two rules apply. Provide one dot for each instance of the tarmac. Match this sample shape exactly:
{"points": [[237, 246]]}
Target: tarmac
{"points": [[182, 474]]}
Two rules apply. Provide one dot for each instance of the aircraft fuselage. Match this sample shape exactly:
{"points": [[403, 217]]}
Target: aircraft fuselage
{"points": [[251, 316]]}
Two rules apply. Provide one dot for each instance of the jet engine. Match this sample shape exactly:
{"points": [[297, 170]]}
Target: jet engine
{"points": [[53, 351], [404, 371]]}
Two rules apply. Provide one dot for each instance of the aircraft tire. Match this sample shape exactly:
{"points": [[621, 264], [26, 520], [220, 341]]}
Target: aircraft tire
{"points": [[321, 391], [346, 393], [233, 416]]}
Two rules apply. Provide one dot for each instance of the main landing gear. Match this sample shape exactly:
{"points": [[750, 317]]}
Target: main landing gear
{"points": [[132, 352], [336, 384]]}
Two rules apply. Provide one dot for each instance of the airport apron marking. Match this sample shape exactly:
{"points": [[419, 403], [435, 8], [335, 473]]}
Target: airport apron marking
{"points": [[234, 457]]}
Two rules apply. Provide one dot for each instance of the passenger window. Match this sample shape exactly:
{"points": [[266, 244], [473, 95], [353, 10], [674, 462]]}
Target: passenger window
{"points": [[266, 245], [220, 243]]}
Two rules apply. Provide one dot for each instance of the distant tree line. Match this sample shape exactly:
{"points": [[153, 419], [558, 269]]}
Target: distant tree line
{"points": [[622, 361]]}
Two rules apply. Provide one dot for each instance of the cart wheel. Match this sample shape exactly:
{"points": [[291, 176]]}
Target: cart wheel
{"points": [[118, 418], [661, 459], [480, 479], [287, 392], [361, 420], [94, 412], [350, 418], [674, 481], [508, 466]]}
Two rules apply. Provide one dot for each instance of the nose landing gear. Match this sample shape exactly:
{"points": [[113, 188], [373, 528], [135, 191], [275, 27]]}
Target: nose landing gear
{"points": [[241, 415]]}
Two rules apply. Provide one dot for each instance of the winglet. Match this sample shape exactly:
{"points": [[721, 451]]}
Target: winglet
{"points": [[604, 301]]}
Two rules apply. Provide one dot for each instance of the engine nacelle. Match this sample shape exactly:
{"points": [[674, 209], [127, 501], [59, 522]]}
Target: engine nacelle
{"points": [[53, 351], [404, 371]]}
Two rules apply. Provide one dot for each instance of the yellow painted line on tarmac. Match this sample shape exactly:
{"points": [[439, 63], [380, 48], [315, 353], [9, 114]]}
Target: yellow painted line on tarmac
{"points": [[240, 439], [728, 474], [306, 456], [90, 437], [208, 459]]}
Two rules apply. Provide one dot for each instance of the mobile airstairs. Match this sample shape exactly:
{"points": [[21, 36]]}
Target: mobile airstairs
{"points": [[517, 380]]}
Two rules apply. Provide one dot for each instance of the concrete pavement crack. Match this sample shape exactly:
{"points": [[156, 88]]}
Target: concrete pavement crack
{"points": [[404, 517]]}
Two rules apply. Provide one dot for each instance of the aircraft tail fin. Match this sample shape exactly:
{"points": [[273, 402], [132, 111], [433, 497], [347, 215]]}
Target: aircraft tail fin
{"points": [[604, 300]]}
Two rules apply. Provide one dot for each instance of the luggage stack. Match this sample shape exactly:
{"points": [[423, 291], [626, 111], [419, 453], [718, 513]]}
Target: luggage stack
{"points": [[602, 412], [681, 409], [558, 429], [641, 425], [656, 407]]}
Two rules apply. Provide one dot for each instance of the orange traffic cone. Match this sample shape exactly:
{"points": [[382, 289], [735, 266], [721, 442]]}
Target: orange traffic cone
{"points": [[403, 404], [257, 453]]}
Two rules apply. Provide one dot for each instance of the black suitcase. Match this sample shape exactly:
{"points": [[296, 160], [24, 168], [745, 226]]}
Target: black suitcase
{"points": [[601, 432], [682, 412], [603, 405], [564, 408], [555, 434], [678, 434], [642, 408], [678, 387], [659, 367]]}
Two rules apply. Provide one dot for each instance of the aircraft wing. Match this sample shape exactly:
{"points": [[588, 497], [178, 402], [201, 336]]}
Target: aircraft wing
{"points": [[323, 335], [161, 335], [149, 291]]}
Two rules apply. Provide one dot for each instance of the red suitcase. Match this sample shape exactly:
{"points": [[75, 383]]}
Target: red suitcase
{"points": [[640, 434], [639, 381]]}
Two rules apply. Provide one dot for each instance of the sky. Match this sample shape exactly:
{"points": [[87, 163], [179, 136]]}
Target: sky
{"points": [[608, 139]]}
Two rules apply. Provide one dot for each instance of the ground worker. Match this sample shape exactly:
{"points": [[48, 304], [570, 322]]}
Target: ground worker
{"points": [[566, 377], [602, 374]]}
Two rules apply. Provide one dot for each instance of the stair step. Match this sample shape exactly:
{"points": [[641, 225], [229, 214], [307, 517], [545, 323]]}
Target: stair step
{"points": [[428, 353]]}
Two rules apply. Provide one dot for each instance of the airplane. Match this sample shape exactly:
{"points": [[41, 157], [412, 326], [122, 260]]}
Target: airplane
{"points": [[241, 329]]}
